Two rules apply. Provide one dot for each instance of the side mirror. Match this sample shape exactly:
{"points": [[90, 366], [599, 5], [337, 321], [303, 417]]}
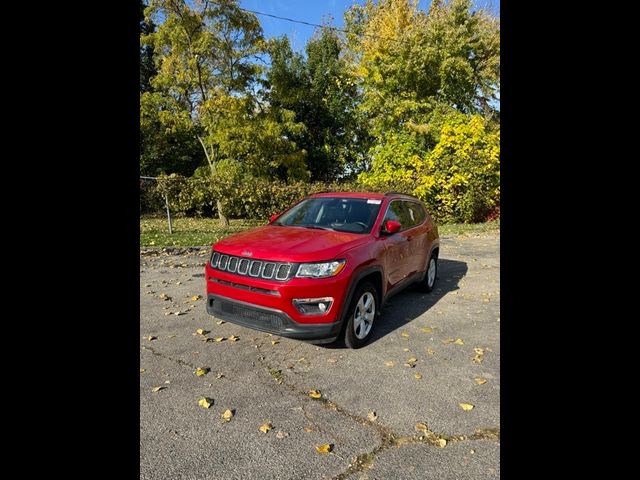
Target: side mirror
{"points": [[273, 217], [391, 227]]}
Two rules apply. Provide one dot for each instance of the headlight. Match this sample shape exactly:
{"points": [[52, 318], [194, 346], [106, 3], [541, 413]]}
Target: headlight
{"points": [[320, 270]]}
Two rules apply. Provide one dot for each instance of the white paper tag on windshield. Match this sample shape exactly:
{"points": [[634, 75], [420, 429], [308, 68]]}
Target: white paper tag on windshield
{"points": [[374, 201]]}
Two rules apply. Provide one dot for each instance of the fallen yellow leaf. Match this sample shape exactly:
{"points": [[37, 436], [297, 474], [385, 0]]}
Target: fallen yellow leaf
{"points": [[405, 349], [427, 329], [219, 339], [274, 342], [202, 371], [227, 415], [466, 406], [201, 331], [480, 380], [418, 376], [458, 341], [372, 416], [315, 394], [442, 442], [479, 350], [151, 338], [220, 322], [412, 360], [404, 334], [422, 427], [205, 402], [264, 428], [233, 338], [324, 448], [142, 370], [196, 297], [389, 363], [157, 389]]}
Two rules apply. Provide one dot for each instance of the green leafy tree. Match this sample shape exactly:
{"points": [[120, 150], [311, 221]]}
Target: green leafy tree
{"points": [[323, 96], [167, 145], [409, 61], [147, 67], [168, 137], [423, 74], [205, 54]]}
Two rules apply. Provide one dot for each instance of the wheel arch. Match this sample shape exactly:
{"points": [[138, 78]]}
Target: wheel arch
{"points": [[372, 274]]}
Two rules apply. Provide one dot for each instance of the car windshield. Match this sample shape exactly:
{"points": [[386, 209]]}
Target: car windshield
{"points": [[354, 215]]}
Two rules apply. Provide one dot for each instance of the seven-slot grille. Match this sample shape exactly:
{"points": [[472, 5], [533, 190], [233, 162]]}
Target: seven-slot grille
{"points": [[280, 271]]}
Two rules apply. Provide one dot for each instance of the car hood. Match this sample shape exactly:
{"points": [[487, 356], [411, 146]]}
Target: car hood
{"points": [[289, 244]]}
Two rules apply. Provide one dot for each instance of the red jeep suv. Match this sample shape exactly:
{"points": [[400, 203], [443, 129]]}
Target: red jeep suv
{"points": [[323, 268]]}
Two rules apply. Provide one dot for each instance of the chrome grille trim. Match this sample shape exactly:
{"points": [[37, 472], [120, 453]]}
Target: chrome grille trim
{"points": [[254, 269], [284, 267], [232, 265], [243, 266], [268, 270]]}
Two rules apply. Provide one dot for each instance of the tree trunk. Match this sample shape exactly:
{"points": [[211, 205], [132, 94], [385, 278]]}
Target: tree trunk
{"points": [[224, 221]]}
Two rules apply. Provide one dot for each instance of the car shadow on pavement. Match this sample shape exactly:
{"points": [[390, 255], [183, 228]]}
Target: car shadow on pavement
{"points": [[409, 304]]}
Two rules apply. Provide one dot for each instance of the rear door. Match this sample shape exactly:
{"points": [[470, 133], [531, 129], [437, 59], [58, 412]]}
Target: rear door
{"points": [[417, 236]]}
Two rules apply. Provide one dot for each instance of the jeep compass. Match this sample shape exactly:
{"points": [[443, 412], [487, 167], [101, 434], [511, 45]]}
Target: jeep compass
{"points": [[322, 269]]}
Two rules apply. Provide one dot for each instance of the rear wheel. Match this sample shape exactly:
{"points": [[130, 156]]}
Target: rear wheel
{"points": [[362, 313]]}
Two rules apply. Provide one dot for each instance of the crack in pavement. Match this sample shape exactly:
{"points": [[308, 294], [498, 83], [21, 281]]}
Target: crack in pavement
{"points": [[162, 355], [387, 437]]}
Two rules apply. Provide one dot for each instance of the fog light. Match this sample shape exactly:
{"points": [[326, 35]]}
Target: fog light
{"points": [[313, 306]]}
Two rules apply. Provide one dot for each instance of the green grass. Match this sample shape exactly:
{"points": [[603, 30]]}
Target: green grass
{"points": [[467, 228], [189, 232], [195, 232]]}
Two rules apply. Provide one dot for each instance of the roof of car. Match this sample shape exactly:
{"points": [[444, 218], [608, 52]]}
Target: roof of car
{"points": [[350, 194], [372, 195]]}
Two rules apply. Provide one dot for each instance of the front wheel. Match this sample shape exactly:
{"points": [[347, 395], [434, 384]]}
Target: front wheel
{"points": [[430, 277], [362, 313]]}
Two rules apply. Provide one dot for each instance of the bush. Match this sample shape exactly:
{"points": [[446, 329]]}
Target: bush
{"points": [[151, 201], [252, 198]]}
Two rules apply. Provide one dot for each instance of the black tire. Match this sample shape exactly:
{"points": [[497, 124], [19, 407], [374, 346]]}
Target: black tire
{"points": [[431, 274], [357, 333]]}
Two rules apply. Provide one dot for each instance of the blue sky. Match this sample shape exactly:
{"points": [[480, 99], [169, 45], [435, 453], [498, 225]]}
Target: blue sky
{"points": [[315, 11]]}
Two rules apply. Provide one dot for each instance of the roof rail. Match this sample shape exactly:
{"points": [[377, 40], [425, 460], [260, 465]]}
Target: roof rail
{"points": [[401, 193]]}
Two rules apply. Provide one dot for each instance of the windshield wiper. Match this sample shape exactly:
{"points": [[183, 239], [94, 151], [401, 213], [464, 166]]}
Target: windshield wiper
{"points": [[315, 227]]}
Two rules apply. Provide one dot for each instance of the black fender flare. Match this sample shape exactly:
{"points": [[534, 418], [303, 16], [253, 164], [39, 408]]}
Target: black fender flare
{"points": [[355, 280]]}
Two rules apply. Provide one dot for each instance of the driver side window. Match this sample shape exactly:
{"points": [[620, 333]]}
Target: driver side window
{"points": [[399, 213]]}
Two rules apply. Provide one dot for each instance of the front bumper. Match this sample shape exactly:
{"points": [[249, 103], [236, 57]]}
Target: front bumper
{"points": [[270, 320]]}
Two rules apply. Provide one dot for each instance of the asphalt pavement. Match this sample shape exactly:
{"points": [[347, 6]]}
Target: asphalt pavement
{"points": [[391, 409]]}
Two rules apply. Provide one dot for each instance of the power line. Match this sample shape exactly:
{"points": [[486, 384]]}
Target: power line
{"points": [[309, 23]]}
